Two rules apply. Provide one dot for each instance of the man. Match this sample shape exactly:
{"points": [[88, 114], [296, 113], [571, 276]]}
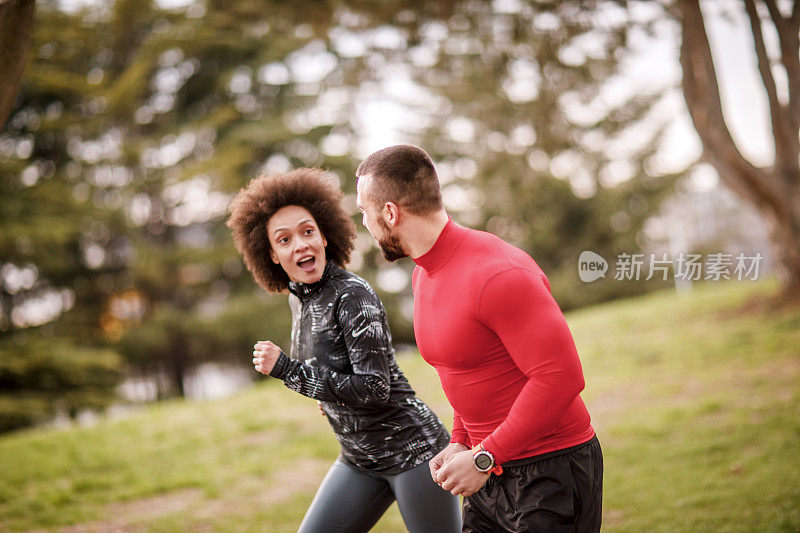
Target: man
{"points": [[523, 452]]}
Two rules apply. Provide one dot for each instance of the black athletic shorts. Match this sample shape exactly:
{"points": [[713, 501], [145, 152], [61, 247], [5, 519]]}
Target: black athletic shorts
{"points": [[555, 492]]}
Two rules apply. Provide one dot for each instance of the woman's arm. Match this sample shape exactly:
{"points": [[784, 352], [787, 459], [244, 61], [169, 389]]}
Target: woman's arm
{"points": [[360, 316]]}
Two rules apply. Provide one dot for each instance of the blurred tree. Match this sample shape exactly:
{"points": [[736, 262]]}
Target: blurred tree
{"points": [[142, 122], [202, 126], [16, 24], [774, 190], [40, 377], [135, 124], [52, 353], [188, 105], [537, 138]]}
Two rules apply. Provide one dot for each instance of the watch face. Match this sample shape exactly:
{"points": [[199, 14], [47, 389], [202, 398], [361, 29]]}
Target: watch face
{"points": [[483, 461]]}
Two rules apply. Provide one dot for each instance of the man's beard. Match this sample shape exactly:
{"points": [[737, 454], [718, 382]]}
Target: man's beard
{"points": [[390, 244]]}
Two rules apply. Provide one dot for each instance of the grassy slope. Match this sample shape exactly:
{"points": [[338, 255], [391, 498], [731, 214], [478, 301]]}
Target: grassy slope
{"points": [[697, 407]]}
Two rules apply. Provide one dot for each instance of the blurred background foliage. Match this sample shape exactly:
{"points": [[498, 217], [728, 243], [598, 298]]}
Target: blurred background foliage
{"points": [[136, 123]]}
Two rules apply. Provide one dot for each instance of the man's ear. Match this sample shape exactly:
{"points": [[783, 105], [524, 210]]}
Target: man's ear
{"points": [[391, 213]]}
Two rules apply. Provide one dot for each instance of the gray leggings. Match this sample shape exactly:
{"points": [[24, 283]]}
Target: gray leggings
{"points": [[350, 500]]}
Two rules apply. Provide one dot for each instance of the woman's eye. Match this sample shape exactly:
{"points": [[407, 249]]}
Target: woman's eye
{"points": [[309, 231]]}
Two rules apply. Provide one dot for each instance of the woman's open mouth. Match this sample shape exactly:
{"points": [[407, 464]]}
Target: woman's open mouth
{"points": [[308, 264]]}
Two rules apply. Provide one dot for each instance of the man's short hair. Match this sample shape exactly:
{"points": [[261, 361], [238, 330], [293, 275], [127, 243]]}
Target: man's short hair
{"points": [[403, 174]]}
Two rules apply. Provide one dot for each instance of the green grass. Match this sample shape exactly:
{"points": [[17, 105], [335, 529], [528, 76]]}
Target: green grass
{"points": [[695, 400]]}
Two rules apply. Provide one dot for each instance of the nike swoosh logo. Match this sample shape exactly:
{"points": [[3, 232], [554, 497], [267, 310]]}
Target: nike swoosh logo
{"points": [[358, 332]]}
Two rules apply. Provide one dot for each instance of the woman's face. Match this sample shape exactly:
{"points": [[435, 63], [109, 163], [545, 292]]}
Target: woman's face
{"points": [[297, 244]]}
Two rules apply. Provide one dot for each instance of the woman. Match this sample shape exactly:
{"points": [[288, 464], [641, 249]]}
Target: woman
{"points": [[295, 235]]}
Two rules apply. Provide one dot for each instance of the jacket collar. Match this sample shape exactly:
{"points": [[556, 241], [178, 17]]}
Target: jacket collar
{"points": [[305, 290]]}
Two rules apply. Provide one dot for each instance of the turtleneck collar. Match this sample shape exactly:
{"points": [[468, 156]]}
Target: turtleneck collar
{"points": [[304, 290], [443, 249]]}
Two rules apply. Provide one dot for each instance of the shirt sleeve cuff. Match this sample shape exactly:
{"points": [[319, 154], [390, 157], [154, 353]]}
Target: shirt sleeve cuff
{"points": [[491, 447], [281, 366], [460, 437]]}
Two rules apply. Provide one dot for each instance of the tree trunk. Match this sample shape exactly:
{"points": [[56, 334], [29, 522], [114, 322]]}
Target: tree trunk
{"points": [[16, 27], [786, 240], [6, 306], [774, 190], [178, 366]]}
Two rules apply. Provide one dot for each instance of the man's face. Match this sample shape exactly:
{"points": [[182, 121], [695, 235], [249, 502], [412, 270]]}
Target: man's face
{"points": [[372, 219]]}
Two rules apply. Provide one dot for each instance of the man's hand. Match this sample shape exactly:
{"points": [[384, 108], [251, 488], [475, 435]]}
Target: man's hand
{"points": [[265, 354], [459, 475], [442, 457]]}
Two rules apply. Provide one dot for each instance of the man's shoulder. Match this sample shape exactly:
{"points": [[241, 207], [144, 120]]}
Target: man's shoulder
{"points": [[487, 253]]}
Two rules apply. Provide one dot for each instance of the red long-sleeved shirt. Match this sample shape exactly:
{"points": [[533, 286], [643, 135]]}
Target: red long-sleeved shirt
{"points": [[485, 319]]}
